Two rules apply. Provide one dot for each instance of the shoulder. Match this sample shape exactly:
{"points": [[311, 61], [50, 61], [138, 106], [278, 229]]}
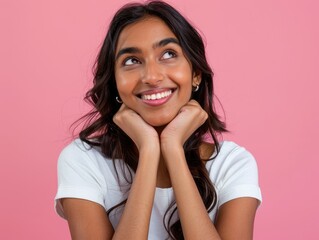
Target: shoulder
{"points": [[234, 172], [79, 153], [79, 148], [80, 163], [231, 155], [79, 174], [80, 160]]}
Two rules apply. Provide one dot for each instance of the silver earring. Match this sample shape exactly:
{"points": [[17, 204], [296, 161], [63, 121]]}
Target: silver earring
{"points": [[118, 99], [196, 88]]}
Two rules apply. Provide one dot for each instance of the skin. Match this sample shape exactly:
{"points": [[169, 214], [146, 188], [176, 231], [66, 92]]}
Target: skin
{"points": [[153, 67]]}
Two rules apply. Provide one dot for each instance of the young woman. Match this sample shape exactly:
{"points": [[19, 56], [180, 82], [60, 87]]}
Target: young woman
{"points": [[141, 168]]}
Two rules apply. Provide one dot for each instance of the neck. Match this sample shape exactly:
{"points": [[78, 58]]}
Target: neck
{"points": [[163, 178]]}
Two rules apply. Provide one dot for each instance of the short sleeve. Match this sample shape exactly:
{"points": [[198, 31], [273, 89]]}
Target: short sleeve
{"points": [[78, 176], [237, 176]]}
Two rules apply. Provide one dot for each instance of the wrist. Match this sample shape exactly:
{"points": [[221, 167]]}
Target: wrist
{"points": [[172, 153], [150, 151], [171, 145]]}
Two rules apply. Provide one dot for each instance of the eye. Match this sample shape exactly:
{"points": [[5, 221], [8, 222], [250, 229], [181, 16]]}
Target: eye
{"points": [[130, 61], [169, 54]]}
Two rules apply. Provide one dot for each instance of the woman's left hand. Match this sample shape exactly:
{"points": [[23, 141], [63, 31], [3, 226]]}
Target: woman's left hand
{"points": [[190, 117]]}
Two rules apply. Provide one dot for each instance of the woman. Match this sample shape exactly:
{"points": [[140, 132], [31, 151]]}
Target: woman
{"points": [[141, 168]]}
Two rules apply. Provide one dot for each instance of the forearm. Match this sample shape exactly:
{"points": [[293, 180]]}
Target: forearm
{"points": [[193, 215], [134, 223]]}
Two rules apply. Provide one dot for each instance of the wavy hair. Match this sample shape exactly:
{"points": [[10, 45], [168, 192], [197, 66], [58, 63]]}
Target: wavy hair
{"points": [[100, 130]]}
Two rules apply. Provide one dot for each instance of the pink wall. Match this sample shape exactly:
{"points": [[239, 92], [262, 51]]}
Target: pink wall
{"points": [[266, 59]]}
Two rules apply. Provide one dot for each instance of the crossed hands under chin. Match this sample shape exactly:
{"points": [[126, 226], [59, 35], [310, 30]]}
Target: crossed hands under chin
{"points": [[175, 133]]}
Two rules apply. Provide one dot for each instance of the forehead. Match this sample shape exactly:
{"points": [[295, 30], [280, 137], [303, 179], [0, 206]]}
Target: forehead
{"points": [[145, 32]]}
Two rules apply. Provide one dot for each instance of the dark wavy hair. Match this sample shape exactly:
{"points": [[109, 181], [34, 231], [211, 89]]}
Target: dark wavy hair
{"points": [[100, 130]]}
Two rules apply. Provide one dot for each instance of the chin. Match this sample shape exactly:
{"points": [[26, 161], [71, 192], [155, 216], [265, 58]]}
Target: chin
{"points": [[159, 121]]}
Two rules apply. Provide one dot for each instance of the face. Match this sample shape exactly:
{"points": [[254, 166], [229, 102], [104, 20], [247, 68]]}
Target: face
{"points": [[153, 76]]}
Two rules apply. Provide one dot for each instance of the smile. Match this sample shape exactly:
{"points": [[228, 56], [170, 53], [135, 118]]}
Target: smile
{"points": [[156, 96]]}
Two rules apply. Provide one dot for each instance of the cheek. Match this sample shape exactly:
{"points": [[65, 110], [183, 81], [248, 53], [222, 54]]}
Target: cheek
{"points": [[124, 83], [182, 73]]}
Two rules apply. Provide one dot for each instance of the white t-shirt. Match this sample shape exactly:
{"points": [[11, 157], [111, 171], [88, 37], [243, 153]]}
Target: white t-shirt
{"points": [[83, 172]]}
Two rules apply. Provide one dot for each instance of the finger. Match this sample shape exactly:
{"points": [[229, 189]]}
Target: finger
{"points": [[193, 102]]}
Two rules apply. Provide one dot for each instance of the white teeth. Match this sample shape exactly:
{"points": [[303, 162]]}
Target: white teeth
{"points": [[156, 96]]}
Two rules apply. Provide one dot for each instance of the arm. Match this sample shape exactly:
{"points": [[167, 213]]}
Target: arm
{"points": [[195, 221], [88, 220], [235, 219], [137, 213]]}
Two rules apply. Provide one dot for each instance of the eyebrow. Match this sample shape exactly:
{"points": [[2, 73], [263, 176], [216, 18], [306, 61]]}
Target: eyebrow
{"points": [[161, 43], [165, 41], [127, 50]]}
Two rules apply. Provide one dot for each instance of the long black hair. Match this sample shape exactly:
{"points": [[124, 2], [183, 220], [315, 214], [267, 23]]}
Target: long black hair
{"points": [[100, 130]]}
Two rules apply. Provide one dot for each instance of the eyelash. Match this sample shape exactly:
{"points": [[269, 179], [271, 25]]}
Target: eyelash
{"points": [[171, 52], [130, 58]]}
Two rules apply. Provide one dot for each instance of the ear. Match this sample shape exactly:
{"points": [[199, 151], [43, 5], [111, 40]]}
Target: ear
{"points": [[197, 78]]}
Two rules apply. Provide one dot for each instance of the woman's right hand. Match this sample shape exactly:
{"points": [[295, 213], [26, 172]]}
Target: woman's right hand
{"points": [[136, 216], [143, 135]]}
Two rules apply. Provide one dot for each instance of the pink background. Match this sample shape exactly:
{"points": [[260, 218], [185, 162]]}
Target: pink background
{"points": [[265, 55]]}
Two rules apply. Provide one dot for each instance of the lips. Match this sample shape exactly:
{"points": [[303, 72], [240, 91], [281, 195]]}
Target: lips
{"points": [[156, 96]]}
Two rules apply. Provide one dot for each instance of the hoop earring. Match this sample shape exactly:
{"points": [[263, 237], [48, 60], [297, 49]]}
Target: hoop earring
{"points": [[118, 100], [196, 88]]}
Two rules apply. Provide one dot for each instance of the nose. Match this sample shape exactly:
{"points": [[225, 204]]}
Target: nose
{"points": [[152, 73]]}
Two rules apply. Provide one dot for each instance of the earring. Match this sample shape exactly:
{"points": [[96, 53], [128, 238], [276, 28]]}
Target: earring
{"points": [[118, 100], [196, 88]]}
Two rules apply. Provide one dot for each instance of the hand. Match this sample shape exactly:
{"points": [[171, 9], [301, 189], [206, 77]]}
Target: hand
{"points": [[142, 134], [190, 117]]}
